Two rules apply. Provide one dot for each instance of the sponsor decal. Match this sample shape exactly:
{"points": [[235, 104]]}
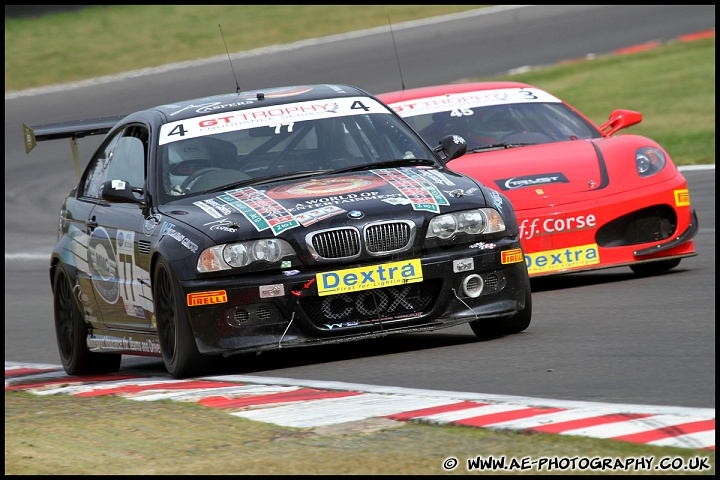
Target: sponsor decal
{"points": [[463, 103], [125, 242], [562, 258], [118, 185], [483, 246], [497, 199], [223, 224], [260, 210], [537, 227], [313, 203], [326, 186], [682, 198], [369, 277], [313, 216], [219, 206], [134, 310], [206, 298], [279, 117], [531, 181], [169, 230], [151, 223], [382, 304], [103, 265], [112, 343], [436, 177], [422, 194], [511, 256], [208, 209]]}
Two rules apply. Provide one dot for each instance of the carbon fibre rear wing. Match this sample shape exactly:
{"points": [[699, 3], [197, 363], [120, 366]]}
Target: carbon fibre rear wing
{"points": [[72, 130]]}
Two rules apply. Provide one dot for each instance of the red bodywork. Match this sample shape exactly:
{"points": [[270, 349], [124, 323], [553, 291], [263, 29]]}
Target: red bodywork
{"points": [[581, 203]]}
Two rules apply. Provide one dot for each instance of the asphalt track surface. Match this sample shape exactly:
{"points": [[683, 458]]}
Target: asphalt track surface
{"points": [[647, 343]]}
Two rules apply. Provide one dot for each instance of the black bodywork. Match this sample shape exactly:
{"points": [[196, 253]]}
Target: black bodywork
{"points": [[125, 268]]}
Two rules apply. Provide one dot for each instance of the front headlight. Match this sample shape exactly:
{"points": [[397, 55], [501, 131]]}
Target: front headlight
{"points": [[649, 161], [242, 254], [473, 222]]}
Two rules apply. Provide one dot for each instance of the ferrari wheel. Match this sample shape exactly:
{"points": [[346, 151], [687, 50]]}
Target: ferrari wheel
{"points": [[653, 268], [72, 333], [505, 326], [177, 342]]}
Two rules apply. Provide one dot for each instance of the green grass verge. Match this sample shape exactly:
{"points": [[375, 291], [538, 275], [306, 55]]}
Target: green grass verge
{"points": [[106, 40], [64, 435]]}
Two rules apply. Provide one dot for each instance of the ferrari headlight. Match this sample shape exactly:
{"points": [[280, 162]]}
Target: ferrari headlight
{"points": [[649, 161], [473, 222], [242, 254]]}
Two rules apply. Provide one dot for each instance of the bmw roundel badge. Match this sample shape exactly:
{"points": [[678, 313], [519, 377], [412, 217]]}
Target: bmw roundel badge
{"points": [[355, 214]]}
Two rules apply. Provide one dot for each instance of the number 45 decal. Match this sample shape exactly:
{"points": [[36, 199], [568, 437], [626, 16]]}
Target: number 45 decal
{"points": [[460, 112]]}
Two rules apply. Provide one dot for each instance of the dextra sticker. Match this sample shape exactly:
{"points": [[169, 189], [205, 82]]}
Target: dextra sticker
{"points": [[367, 277], [466, 101], [276, 116], [260, 210], [531, 181], [537, 227], [511, 256], [682, 198], [423, 195], [206, 298], [562, 258]]}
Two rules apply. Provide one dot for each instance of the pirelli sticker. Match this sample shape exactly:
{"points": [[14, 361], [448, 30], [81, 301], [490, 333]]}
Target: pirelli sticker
{"points": [[206, 298], [511, 256], [682, 198]]}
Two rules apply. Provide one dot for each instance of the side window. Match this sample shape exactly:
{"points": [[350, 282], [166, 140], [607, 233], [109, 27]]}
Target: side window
{"points": [[122, 158], [97, 169]]}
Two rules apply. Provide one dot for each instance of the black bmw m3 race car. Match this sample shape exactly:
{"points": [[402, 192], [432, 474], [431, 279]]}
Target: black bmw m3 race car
{"points": [[272, 219]]}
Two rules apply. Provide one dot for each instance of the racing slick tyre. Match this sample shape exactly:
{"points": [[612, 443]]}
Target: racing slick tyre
{"points": [[177, 342], [652, 268], [506, 326], [72, 333]]}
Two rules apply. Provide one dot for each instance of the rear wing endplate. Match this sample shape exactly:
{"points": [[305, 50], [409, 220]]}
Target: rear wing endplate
{"points": [[72, 130]]}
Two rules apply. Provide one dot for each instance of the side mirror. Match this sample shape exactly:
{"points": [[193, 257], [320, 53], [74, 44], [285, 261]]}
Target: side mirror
{"points": [[620, 119], [451, 147], [119, 191]]}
